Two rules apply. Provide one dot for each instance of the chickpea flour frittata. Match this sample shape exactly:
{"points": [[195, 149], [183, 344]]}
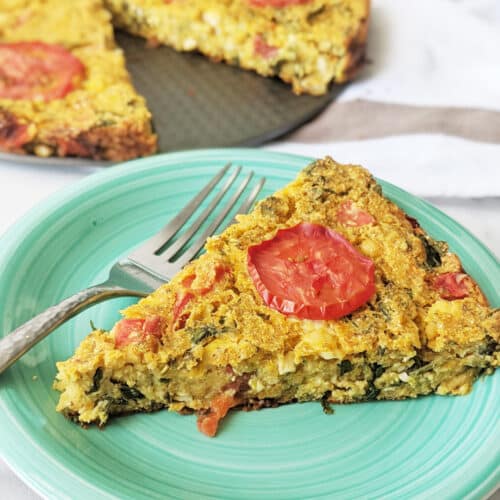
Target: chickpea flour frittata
{"points": [[326, 292], [308, 43], [65, 91]]}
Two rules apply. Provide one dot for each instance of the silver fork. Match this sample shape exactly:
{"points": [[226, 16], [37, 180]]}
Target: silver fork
{"points": [[156, 261]]}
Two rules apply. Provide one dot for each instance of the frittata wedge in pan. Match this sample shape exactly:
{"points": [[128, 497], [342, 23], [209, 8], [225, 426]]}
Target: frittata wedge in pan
{"points": [[308, 43], [64, 88], [326, 292]]}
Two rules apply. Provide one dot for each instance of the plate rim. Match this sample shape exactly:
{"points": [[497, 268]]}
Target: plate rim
{"points": [[22, 227]]}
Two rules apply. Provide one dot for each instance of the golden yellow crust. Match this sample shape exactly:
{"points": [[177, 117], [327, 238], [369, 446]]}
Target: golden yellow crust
{"points": [[104, 117], [308, 45], [405, 342]]}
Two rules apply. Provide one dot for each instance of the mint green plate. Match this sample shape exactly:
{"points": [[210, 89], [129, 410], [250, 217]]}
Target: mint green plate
{"points": [[434, 447]]}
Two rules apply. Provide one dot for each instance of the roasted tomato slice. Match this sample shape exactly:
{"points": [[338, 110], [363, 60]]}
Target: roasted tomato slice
{"points": [[37, 71], [452, 286], [312, 272], [350, 215]]}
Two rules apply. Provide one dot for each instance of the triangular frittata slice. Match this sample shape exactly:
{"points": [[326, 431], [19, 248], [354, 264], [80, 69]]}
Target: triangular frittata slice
{"points": [[64, 88], [327, 292]]}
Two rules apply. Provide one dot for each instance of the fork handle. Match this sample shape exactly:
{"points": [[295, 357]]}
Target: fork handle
{"points": [[23, 338]]}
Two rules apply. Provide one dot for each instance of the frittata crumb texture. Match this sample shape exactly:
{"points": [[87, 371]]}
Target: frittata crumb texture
{"points": [[207, 341]]}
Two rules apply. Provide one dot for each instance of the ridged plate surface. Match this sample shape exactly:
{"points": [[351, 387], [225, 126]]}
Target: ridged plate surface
{"points": [[434, 447]]}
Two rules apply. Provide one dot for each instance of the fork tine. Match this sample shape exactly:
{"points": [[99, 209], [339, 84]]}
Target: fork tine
{"points": [[196, 246], [171, 251], [157, 241], [248, 201], [149, 256]]}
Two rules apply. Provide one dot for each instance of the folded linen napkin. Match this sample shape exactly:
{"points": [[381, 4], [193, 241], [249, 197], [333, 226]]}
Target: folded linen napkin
{"points": [[425, 112]]}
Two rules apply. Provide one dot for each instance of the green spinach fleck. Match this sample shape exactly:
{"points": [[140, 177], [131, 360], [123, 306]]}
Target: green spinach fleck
{"points": [[277, 66], [327, 408], [372, 392], [345, 366], [96, 381], [130, 392], [265, 317], [489, 347], [384, 310], [377, 370], [311, 17], [418, 363], [202, 332], [432, 255], [115, 401]]}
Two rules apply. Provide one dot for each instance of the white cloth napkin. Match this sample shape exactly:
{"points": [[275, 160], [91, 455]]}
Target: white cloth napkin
{"points": [[432, 53]]}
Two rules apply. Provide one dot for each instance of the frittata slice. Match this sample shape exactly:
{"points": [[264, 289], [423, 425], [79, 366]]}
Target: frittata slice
{"points": [[326, 292], [64, 88], [308, 43]]}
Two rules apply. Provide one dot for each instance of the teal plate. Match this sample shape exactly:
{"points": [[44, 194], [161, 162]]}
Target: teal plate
{"points": [[434, 447]]}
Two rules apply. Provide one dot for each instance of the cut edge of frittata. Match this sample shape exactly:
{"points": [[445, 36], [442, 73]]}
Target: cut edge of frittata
{"points": [[309, 44]]}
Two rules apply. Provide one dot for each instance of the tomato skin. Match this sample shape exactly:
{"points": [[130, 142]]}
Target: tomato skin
{"points": [[13, 134], [67, 146], [207, 424], [37, 71], [219, 406], [128, 331], [153, 326], [350, 215], [451, 286], [218, 273], [184, 297], [263, 49], [188, 281], [311, 272], [181, 301], [131, 331]]}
